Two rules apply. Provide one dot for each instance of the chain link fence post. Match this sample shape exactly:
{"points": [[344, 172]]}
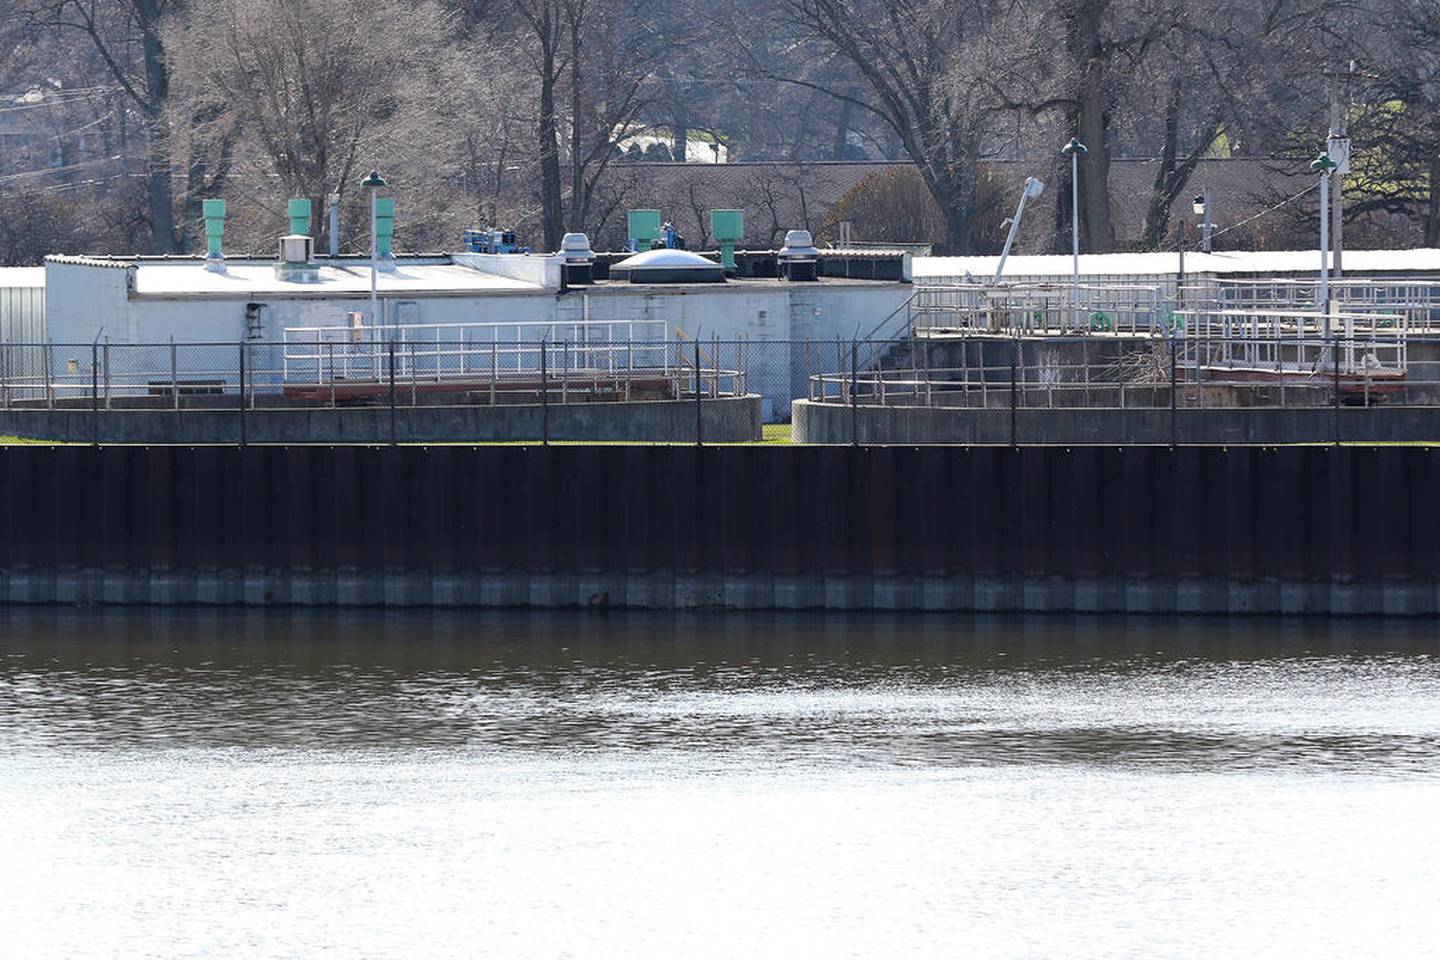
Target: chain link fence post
{"points": [[699, 399], [1174, 435], [392, 393], [95, 393], [854, 394], [243, 404], [1015, 394], [545, 391], [1335, 371]]}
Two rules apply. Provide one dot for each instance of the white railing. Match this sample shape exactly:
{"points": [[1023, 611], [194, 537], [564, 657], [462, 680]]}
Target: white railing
{"points": [[466, 352]]}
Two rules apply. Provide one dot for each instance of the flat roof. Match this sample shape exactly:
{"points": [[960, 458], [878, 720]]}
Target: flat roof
{"points": [[192, 279], [22, 277], [1167, 264]]}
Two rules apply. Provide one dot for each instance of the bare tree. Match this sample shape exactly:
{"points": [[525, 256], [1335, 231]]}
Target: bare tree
{"points": [[594, 57], [127, 37], [319, 88], [917, 60]]}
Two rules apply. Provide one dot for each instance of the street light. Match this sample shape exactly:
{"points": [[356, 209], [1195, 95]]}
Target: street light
{"points": [[1202, 209], [374, 183], [1033, 188], [1074, 148], [1323, 165]]}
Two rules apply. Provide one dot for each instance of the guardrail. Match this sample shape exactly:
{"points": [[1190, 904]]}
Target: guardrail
{"points": [[1086, 373], [257, 374]]}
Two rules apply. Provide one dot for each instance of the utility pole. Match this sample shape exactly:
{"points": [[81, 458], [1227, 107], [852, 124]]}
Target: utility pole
{"points": [[1074, 148], [1338, 148]]}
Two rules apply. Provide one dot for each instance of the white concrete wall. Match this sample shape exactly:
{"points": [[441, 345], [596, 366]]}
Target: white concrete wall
{"points": [[541, 269], [82, 299]]}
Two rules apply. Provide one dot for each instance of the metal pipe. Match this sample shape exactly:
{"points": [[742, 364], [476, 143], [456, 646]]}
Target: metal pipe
{"points": [[1325, 251], [1075, 233]]}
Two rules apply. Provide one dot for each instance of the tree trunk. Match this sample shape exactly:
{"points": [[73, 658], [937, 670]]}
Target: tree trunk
{"points": [[551, 204], [1097, 233], [1087, 51], [1168, 179], [1432, 206], [842, 132], [680, 148], [159, 192]]}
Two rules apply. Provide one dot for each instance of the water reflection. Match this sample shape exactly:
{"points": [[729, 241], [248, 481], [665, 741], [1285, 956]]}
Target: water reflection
{"points": [[755, 691]]}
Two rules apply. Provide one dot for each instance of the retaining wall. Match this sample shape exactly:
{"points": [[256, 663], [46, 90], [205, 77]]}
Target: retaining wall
{"points": [[725, 420], [835, 423], [1200, 529]]}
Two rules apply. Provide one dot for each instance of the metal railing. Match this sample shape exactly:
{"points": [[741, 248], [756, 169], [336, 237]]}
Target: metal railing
{"points": [[254, 374], [1086, 373]]}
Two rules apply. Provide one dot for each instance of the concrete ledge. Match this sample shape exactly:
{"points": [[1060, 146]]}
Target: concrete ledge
{"points": [[834, 424], [264, 588], [724, 420]]}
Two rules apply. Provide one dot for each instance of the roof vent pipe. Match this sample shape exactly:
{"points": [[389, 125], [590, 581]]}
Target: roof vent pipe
{"points": [[300, 218], [334, 224], [214, 211], [799, 260], [728, 229], [577, 261], [384, 233]]}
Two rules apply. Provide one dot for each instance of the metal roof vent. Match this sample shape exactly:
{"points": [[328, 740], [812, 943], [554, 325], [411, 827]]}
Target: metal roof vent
{"points": [[668, 266], [577, 266], [799, 260], [799, 244], [576, 247], [295, 261]]}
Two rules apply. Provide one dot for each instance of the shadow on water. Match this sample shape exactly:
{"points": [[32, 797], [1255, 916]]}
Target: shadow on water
{"points": [[760, 690]]}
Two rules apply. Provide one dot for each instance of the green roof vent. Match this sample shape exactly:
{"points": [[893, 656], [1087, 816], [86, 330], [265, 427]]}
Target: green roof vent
{"points": [[214, 213], [300, 218], [728, 229]]}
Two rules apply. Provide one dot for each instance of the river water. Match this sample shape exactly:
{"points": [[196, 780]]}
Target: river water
{"points": [[577, 785]]}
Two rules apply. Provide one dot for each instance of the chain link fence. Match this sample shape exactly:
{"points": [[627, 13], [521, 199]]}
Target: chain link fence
{"points": [[935, 373]]}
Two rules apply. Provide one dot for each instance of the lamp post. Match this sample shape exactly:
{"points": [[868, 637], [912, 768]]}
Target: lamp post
{"points": [[1202, 209], [374, 182], [1074, 148], [1323, 165], [1033, 188]]}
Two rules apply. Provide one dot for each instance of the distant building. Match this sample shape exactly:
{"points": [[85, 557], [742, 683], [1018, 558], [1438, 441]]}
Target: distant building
{"points": [[780, 196]]}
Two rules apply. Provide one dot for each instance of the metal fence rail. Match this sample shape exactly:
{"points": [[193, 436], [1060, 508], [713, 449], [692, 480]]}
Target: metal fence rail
{"points": [[1084, 373], [223, 375]]}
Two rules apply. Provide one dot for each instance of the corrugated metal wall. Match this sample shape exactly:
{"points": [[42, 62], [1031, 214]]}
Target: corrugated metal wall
{"points": [[22, 310], [1293, 515], [22, 321]]}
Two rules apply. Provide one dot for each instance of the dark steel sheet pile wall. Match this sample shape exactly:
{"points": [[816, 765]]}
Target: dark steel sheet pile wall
{"points": [[1302, 529]]}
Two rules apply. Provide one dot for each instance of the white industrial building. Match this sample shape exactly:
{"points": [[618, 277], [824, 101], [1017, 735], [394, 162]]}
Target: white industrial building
{"points": [[463, 298]]}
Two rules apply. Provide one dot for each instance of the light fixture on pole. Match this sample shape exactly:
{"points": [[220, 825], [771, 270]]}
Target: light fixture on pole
{"points": [[1323, 165], [1202, 209], [374, 183], [1033, 188], [1074, 148]]}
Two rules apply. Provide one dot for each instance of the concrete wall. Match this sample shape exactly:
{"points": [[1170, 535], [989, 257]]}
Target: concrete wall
{"points": [[730, 420], [832, 424], [1309, 530]]}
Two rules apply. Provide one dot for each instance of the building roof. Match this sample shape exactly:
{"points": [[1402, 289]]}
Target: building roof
{"points": [[244, 279], [1167, 265], [22, 277]]}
